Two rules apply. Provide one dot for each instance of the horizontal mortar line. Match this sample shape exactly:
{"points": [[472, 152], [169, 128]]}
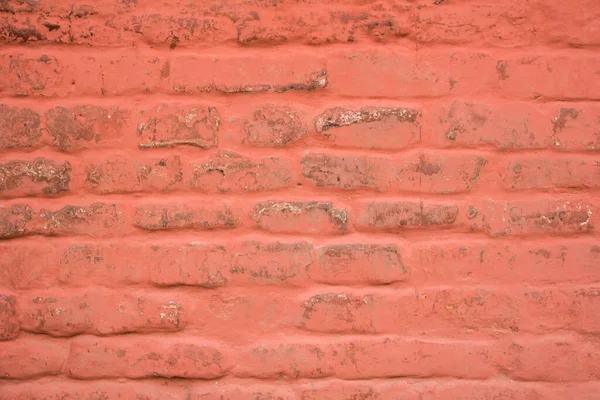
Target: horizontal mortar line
{"points": [[297, 151], [183, 237], [312, 95], [405, 45], [232, 380], [348, 200], [400, 288], [215, 236], [302, 336], [313, 99]]}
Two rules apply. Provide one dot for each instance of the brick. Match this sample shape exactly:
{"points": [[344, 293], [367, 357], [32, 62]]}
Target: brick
{"points": [[437, 311], [533, 76], [406, 214], [493, 217], [31, 357], [438, 173], [364, 358], [86, 126], [19, 178], [15, 220], [338, 312], [72, 390], [490, 24], [570, 308], [232, 172], [550, 358], [19, 128], [59, 75], [453, 311], [75, 264], [565, 126], [218, 215], [9, 322], [170, 125], [34, 75], [547, 173], [540, 261], [347, 264], [445, 389], [272, 262], [198, 264], [300, 217], [145, 357], [97, 219], [435, 73], [500, 218], [117, 174], [388, 73], [246, 74], [100, 312], [273, 125], [113, 264], [321, 26], [242, 392], [329, 171], [370, 127]]}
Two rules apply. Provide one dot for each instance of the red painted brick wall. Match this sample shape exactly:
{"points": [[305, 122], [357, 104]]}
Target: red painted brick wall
{"points": [[298, 199]]}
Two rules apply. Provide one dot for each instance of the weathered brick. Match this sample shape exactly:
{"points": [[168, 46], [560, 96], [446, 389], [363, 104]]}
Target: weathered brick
{"points": [[97, 219], [143, 357], [492, 24], [20, 178], [100, 312], [201, 264], [172, 125], [438, 389], [246, 74], [541, 261], [86, 126], [273, 125], [547, 173], [437, 173], [338, 312], [453, 311], [117, 174], [243, 391], [493, 217], [29, 357], [272, 262], [73, 389], [35, 73], [300, 217], [19, 128], [330, 171], [15, 220], [9, 322], [436, 73], [549, 358], [500, 218], [372, 127], [513, 126], [346, 264], [406, 214], [347, 359], [232, 172], [219, 215]]}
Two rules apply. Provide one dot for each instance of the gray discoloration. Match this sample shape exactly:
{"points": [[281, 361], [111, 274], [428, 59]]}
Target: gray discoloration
{"points": [[337, 117], [40, 170]]}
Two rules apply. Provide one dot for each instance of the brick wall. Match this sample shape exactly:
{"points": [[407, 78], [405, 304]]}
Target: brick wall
{"points": [[298, 199]]}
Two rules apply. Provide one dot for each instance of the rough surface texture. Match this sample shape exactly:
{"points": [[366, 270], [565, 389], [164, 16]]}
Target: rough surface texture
{"points": [[299, 199]]}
